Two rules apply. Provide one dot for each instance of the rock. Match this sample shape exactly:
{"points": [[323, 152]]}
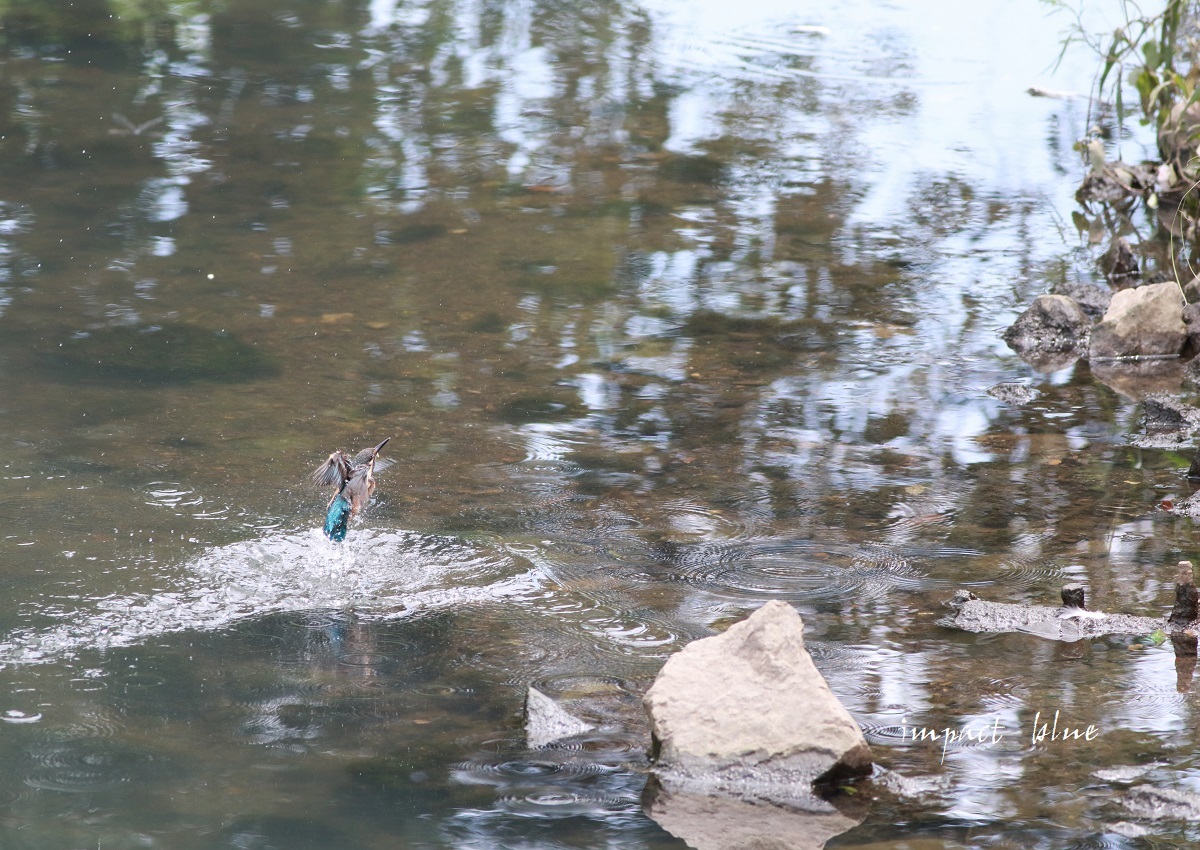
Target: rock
{"points": [[973, 614], [547, 722], [1120, 264], [1053, 327], [1191, 290], [1125, 829], [1191, 320], [1167, 423], [747, 714], [1011, 392], [1165, 412], [1092, 299], [1146, 321], [1159, 804], [1189, 507]]}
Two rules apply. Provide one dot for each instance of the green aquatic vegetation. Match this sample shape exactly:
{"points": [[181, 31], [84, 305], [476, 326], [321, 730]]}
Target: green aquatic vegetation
{"points": [[1151, 56]]}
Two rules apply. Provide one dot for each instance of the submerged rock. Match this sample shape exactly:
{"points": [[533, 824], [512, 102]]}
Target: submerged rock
{"points": [[747, 714], [546, 721], [1146, 321], [1158, 804], [1163, 412], [1050, 333], [1167, 423], [1011, 392]]}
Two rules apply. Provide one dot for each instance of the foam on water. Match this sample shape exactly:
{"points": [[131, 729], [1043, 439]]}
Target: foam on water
{"points": [[379, 574]]}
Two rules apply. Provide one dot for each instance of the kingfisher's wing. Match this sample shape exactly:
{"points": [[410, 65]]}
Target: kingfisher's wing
{"points": [[333, 472], [358, 489], [384, 463]]}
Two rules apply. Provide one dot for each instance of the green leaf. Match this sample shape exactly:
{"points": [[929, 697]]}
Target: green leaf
{"points": [[1153, 57]]}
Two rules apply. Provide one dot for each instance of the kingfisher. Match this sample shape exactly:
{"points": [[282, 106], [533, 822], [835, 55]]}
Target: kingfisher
{"points": [[354, 478]]}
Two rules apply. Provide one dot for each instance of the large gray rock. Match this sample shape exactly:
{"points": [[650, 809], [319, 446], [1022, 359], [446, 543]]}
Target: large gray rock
{"points": [[747, 714], [1141, 322], [1050, 333]]}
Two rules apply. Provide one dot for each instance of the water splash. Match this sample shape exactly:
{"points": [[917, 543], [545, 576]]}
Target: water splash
{"points": [[378, 575]]}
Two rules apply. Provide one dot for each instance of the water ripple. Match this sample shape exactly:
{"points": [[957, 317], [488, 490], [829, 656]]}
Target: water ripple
{"points": [[84, 765], [556, 801], [495, 769], [804, 569]]}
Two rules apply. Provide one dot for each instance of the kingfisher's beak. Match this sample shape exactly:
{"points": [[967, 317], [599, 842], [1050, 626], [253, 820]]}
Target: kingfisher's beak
{"points": [[379, 447]]}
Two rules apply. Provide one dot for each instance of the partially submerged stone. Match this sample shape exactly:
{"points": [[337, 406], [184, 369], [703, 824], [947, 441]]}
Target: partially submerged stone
{"points": [[1092, 299], [1072, 621], [1146, 321], [546, 721], [1167, 423], [747, 714], [1011, 392], [1191, 321], [1120, 263], [1050, 333], [972, 614]]}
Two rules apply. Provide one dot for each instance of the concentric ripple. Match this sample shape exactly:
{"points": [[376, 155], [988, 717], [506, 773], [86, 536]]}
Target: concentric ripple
{"points": [[802, 569], [555, 801], [494, 769], [84, 765]]}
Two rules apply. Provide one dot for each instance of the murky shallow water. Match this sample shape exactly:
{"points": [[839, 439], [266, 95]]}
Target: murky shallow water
{"points": [[669, 309]]}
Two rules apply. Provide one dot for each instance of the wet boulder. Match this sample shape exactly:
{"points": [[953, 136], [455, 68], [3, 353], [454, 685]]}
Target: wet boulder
{"points": [[1092, 299], [1165, 412], [1191, 320], [1146, 321], [747, 714], [1167, 422], [1050, 333]]}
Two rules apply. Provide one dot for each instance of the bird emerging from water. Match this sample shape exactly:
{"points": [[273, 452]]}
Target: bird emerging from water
{"points": [[354, 478]]}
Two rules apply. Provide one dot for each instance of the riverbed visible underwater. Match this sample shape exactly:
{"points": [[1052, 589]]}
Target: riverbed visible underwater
{"points": [[668, 308]]}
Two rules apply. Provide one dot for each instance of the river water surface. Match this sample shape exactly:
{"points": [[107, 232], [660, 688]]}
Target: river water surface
{"points": [[669, 308]]}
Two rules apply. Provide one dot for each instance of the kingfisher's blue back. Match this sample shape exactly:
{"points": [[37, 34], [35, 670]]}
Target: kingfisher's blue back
{"points": [[337, 518]]}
